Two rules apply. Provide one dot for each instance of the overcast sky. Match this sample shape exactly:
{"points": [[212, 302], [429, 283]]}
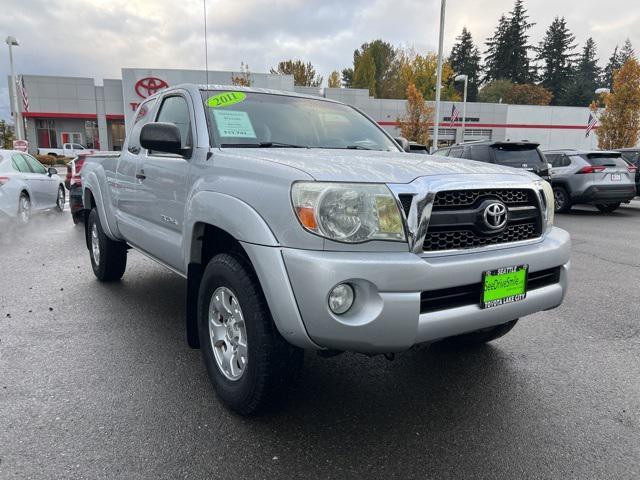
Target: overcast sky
{"points": [[95, 38]]}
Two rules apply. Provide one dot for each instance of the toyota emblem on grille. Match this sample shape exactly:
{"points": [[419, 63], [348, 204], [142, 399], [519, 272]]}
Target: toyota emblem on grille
{"points": [[495, 215]]}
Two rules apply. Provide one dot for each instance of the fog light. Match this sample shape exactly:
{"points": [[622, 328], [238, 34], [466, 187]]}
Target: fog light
{"points": [[341, 298]]}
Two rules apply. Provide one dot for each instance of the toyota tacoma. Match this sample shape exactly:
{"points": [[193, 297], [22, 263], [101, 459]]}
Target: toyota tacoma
{"points": [[298, 223]]}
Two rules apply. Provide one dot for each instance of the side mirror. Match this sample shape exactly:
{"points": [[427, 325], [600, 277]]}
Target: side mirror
{"points": [[161, 137], [404, 143], [52, 171]]}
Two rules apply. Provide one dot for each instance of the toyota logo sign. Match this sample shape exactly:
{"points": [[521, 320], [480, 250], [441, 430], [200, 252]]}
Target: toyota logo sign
{"points": [[149, 85], [495, 215]]}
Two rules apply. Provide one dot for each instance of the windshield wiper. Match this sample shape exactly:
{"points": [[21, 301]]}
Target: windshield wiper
{"points": [[350, 147], [262, 145]]}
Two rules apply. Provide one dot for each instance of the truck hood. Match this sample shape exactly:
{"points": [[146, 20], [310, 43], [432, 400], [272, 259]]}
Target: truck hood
{"points": [[367, 166]]}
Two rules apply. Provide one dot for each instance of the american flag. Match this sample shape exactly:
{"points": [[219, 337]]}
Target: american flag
{"points": [[455, 113], [593, 121], [23, 94]]}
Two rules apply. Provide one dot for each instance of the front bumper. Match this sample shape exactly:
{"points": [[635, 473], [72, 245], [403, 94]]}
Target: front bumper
{"points": [[386, 314]]}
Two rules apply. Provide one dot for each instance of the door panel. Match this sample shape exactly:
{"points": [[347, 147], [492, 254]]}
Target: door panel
{"points": [[162, 191]]}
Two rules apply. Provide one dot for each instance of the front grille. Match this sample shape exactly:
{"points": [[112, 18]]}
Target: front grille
{"points": [[460, 239], [465, 198], [457, 223], [445, 298]]}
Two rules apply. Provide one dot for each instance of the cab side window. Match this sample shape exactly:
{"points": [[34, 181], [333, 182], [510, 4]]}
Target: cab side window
{"points": [[175, 110], [143, 116], [456, 152], [554, 160], [36, 166]]}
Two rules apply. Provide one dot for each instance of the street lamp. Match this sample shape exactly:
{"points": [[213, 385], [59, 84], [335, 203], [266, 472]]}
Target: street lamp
{"points": [[12, 41], [465, 79], [443, 6], [600, 91]]}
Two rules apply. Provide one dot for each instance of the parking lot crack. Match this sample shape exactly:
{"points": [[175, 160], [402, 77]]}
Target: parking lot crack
{"points": [[591, 254]]}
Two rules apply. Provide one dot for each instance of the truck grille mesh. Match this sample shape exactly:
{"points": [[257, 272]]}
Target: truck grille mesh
{"points": [[456, 219], [463, 198]]}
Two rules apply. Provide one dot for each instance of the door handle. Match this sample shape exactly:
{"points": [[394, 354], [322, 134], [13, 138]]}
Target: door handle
{"points": [[140, 175]]}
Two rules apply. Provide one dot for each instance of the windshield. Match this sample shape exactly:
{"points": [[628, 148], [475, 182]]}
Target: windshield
{"points": [[247, 119], [517, 155]]}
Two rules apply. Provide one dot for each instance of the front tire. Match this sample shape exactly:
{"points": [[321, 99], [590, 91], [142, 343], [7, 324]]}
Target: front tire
{"points": [[562, 200], [247, 360], [608, 207], [61, 199], [108, 258], [480, 336]]}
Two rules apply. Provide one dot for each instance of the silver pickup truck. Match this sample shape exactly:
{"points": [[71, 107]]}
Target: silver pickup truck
{"points": [[299, 223]]}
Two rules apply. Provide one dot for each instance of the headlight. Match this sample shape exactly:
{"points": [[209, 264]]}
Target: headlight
{"points": [[348, 212], [549, 203]]}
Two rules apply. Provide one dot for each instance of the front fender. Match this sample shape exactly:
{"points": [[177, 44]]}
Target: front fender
{"points": [[234, 216]]}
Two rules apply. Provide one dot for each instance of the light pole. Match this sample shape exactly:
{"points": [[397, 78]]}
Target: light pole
{"points": [[443, 6], [464, 78], [13, 42]]}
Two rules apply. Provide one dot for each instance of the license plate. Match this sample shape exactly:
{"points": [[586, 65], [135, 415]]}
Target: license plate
{"points": [[616, 177], [504, 285]]}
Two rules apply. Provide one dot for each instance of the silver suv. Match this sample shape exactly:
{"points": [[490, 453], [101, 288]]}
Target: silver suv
{"points": [[595, 177]]}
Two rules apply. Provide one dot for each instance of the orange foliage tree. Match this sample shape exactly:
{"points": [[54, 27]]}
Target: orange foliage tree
{"points": [[414, 125]]}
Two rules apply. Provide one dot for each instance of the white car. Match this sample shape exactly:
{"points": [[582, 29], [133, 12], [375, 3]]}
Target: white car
{"points": [[67, 150], [27, 186]]}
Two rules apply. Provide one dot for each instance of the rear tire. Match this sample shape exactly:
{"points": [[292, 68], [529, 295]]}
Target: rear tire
{"points": [[562, 200], [108, 258], [261, 363], [481, 336], [608, 207]]}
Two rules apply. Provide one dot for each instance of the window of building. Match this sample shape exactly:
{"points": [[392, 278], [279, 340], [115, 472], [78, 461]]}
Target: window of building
{"points": [[46, 132], [91, 134], [116, 133]]}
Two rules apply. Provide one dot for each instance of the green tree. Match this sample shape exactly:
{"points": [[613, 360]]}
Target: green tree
{"points": [[304, 74], [385, 69], [465, 59], [615, 62], [556, 54], [585, 80], [6, 135], [627, 52], [420, 70], [507, 54], [334, 79], [495, 91], [364, 75], [347, 77], [528, 94]]}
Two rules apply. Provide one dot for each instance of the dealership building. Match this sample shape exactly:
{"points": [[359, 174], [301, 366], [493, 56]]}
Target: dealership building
{"points": [[61, 110]]}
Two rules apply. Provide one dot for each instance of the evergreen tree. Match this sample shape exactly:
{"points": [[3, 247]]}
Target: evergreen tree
{"points": [[615, 62], [507, 55], [465, 59], [385, 68], [626, 52], [581, 90], [556, 54]]}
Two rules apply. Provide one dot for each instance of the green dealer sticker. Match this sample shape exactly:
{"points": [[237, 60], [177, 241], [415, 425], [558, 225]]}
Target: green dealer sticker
{"points": [[225, 99], [505, 285]]}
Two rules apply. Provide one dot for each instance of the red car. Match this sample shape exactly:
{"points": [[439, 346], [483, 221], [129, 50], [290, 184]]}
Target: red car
{"points": [[73, 182]]}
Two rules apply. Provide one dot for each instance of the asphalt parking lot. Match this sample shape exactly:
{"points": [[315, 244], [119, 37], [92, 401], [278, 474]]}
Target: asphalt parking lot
{"points": [[96, 381]]}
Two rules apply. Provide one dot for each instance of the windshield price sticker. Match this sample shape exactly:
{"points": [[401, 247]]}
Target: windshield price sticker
{"points": [[225, 99], [232, 123], [505, 285]]}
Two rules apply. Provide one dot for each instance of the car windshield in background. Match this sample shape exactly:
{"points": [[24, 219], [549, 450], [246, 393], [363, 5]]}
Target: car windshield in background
{"points": [[604, 160], [247, 119], [516, 155]]}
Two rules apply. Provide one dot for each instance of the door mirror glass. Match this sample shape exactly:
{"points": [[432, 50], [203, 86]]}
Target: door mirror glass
{"points": [[161, 137]]}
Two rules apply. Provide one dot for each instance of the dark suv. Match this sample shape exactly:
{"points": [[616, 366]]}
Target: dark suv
{"points": [[523, 154], [632, 155]]}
